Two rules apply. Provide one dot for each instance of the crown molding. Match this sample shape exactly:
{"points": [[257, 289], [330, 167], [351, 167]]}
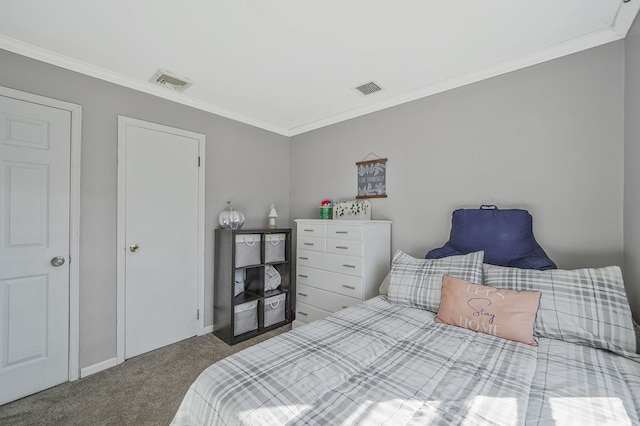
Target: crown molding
{"points": [[81, 67], [619, 29], [624, 18], [563, 49], [622, 22]]}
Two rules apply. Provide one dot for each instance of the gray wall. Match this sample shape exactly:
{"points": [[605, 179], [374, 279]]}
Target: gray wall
{"points": [[243, 163], [631, 168], [548, 138]]}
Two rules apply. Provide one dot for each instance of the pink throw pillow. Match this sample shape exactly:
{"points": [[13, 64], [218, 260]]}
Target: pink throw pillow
{"points": [[508, 314]]}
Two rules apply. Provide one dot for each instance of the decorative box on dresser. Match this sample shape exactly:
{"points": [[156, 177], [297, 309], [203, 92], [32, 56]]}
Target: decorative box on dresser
{"points": [[339, 263]]}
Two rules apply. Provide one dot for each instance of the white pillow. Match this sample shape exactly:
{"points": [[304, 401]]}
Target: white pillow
{"points": [[384, 286]]}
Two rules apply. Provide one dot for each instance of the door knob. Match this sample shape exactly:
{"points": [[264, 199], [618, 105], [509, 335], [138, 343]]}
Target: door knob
{"points": [[57, 261], [134, 248]]}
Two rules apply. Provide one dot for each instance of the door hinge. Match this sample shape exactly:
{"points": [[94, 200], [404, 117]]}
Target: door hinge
{"points": [[198, 161], [198, 314]]}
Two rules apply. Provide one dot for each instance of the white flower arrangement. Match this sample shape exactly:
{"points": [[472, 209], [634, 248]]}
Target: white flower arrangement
{"points": [[357, 210]]}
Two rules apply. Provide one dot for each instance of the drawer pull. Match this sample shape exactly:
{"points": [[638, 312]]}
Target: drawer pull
{"points": [[303, 313], [308, 244], [303, 294], [303, 276], [342, 247], [309, 230], [342, 232], [303, 258], [348, 266], [344, 307], [348, 286]]}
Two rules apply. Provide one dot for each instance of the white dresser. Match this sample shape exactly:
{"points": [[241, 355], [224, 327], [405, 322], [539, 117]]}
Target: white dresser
{"points": [[338, 263]]}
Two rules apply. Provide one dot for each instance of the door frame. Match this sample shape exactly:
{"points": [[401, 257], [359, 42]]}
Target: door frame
{"points": [[74, 216], [123, 122]]}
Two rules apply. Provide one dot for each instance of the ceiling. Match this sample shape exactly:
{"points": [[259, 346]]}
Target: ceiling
{"points": [[290, 66]]}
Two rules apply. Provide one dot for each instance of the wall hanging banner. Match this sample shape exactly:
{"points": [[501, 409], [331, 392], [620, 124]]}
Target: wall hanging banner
{"points": [[372, 178]]}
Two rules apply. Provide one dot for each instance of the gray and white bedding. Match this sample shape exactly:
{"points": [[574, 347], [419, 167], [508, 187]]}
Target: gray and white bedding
{"points": [[384, 363], [388, 362]]}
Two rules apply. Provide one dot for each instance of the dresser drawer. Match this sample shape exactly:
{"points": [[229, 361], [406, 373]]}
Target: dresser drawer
{"points": [[312, 243], [330, 281], [323, 299], [345, 232], [307, 313], [348, 247], [350, 265], [312, 230]]}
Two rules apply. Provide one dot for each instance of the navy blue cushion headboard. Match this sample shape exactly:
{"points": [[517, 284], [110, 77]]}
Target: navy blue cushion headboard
{"points": [[505, 236]]}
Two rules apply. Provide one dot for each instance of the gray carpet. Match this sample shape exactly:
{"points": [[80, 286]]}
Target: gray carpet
{"points": [[145, 390]]}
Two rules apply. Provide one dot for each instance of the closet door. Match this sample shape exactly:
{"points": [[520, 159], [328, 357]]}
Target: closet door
{"points": [[161, 234], [35, 143]]}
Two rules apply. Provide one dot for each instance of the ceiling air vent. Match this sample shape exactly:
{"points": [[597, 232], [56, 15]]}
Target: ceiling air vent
{"points": [[368, 88], [171, 81]]}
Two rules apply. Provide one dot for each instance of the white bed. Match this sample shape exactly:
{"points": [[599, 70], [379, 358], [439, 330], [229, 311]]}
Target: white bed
{"points": [[387, 362]]}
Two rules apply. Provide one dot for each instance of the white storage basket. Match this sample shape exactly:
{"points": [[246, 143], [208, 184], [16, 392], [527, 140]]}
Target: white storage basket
{"points": [[247, 250], [274, 248], [274, 309], [245, 317]]}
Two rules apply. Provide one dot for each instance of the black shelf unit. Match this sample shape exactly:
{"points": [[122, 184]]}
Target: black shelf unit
{"points": [[224, 277]]}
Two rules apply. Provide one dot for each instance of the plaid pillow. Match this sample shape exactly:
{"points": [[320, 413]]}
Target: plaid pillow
{"points": [[584, 306], [418, 282]]}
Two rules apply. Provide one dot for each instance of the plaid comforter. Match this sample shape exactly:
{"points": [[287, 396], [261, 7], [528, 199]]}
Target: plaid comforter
{"points": [[379, 363]]}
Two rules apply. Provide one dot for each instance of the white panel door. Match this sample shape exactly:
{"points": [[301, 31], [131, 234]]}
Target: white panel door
{"points": [[161, 235], [34, 247]]}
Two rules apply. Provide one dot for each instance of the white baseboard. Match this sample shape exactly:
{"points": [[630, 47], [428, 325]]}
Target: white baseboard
{"points": [[96, 368]]}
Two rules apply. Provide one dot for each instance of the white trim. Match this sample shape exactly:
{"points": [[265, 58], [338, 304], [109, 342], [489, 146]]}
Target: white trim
{"points": [[201, 231], [96, 368], [562, 49], [74, 218], [624, 18], [34, 52], [622, 24], [120, 244], [208, 329], [123, 122], [620, 27], [74, 246]]}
